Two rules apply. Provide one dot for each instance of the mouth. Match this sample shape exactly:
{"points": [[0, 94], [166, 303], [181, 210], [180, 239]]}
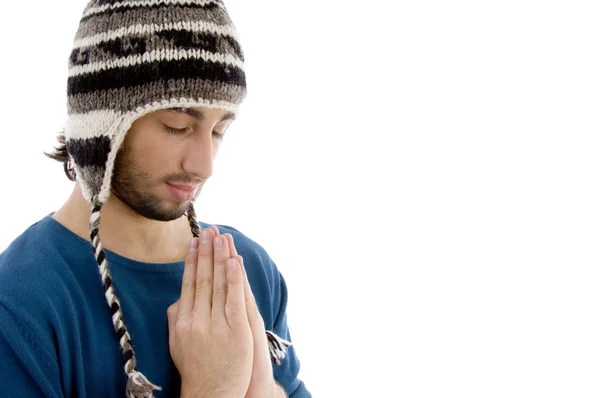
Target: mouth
{"points": [[184, 187], [182, 192]]}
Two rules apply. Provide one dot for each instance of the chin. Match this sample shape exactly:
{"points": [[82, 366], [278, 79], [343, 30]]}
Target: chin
{"points": [[160, 212], [175, 212], [153, 206]]}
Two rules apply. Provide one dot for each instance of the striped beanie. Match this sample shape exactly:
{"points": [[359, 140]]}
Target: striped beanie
{"points": [[131, 58]]}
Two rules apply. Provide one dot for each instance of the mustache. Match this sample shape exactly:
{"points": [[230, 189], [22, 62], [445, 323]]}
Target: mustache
{"points": [[184, 179]]}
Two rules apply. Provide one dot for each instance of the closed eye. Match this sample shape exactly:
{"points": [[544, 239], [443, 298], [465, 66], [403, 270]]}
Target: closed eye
{"points": [[175, 131]]}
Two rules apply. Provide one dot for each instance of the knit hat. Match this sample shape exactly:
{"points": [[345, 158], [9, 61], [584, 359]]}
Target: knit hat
{"points": [[130, 58]]}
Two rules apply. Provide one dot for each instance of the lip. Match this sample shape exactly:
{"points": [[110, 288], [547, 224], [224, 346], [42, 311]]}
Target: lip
{"points": [[181, 192], [184, 187]]}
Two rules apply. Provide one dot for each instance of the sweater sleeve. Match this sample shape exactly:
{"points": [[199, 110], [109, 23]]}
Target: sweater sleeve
{"points": [[27, 369], [286, 373]]}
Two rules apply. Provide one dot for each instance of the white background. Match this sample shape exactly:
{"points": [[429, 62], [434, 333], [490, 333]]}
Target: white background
{"points": [[424, 174]]}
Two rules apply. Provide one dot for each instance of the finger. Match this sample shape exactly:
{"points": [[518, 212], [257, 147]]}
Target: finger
{"points": [[217, 233], [247, 287], [248, 299], [188, 281], [219, 298], [235, 308], [215, 230], [232, 249], [251, 307], [247, 291], [204, 276]]}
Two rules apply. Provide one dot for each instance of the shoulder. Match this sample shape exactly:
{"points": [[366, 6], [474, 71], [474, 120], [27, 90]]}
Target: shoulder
{"points": [[44, 268], [34, 290], [32, 258]]}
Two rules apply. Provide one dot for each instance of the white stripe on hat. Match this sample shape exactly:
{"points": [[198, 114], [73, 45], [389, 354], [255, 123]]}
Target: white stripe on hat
{"points": [[149, 29], [90, 124]]}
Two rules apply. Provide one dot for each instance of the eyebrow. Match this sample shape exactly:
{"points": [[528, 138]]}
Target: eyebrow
{"points": [[198, 115]]}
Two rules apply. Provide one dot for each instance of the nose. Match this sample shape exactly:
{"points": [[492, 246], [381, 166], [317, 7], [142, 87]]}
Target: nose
{"points": [[199, 155]]}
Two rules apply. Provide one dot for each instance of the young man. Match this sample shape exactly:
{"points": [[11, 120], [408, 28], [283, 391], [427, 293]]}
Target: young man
{"points": [[118, 292]]}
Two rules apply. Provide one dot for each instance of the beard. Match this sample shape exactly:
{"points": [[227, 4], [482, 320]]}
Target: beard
{"points": [[132, 185]]}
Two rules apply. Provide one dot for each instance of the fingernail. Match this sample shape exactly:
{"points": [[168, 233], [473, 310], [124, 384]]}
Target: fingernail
{"points": [[231, 265], [193, 245], [205, 236], [217, 242]]}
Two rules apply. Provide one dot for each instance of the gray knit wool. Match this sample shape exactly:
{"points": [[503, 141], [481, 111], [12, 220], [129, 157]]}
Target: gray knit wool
{"points": [[146, 93], [168, 13], [131, 58]]}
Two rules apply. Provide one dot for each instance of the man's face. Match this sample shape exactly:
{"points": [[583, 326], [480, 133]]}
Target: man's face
{"points": [[166, 158]]}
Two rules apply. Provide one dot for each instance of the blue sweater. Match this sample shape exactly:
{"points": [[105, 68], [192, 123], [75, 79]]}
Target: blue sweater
{"points": [[56, 334]]}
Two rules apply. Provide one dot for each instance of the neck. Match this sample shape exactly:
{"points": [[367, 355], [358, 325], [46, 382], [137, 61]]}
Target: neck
{"points": [[125, 232]]}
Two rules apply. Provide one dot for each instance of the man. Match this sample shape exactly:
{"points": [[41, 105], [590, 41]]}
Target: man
{"points": [[119, 291]]}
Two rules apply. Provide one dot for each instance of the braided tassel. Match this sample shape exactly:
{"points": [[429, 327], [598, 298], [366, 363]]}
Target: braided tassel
{"points": [[191, 214], [138, 385], [277, 347]]}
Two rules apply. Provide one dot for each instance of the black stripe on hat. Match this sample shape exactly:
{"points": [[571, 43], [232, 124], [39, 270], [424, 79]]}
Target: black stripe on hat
{"points": [[119, 47], [180, 39], [200, 40], [187, 39], [149, 72], [89, 151], [236, 46], [126, 8]]}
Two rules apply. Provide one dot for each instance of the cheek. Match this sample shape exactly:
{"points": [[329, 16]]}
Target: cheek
{"points": [[158, 160]]}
